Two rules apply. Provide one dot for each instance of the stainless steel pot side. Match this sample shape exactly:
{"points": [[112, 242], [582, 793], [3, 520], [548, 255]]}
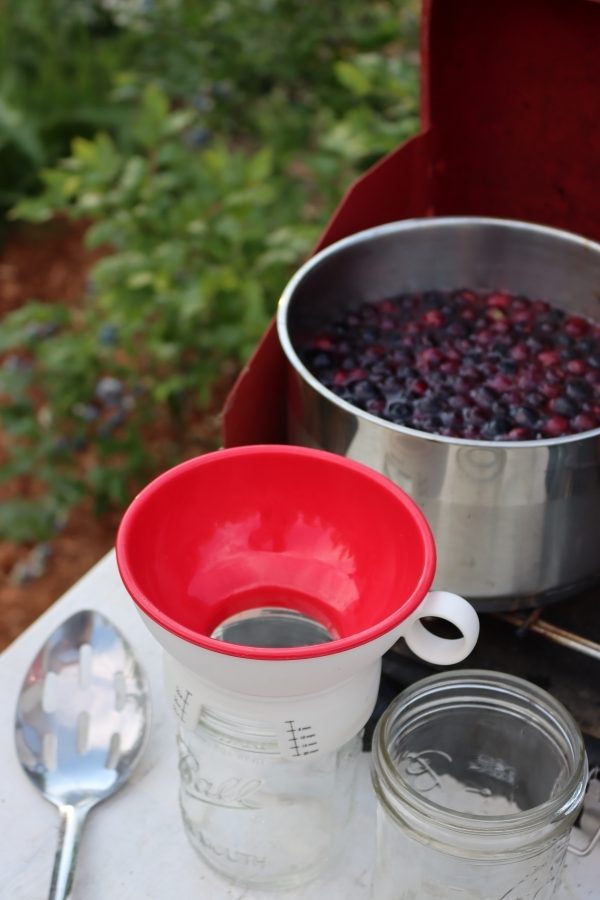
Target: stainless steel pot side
{"points": [[516, 524]]}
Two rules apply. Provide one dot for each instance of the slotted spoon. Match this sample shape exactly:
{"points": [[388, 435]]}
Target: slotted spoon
{"points": [[81, 722]]}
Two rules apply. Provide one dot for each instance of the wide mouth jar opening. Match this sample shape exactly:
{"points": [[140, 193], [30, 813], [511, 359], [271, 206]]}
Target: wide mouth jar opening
{"points": [[474, 756]]}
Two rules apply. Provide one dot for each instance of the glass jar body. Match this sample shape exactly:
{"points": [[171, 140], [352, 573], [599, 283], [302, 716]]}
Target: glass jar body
{"points": [[427, 872], [258, 818], [479, 777]]}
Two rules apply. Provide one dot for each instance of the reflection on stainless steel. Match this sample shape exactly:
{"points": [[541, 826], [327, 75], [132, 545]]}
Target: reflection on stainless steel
{"points": [[554, 633], [515, 523], [81, 723]]}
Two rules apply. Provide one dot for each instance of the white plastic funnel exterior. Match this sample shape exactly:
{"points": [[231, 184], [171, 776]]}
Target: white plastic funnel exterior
{"points": [[314, 705]]}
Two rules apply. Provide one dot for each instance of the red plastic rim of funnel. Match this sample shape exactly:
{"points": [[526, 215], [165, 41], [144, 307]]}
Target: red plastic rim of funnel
{"points": [[180, 525]]}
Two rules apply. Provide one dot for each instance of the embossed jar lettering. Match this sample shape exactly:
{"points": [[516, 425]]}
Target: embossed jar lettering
{"points": [[479, 777], [250, 813]]}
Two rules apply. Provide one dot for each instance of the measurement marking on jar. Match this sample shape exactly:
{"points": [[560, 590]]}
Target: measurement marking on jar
{"points": [[302, 739], [180, 702]]}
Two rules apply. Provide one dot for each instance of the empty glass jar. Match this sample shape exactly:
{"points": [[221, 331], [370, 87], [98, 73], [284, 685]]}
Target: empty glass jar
{"points": [[255, 817], [479, 777]]}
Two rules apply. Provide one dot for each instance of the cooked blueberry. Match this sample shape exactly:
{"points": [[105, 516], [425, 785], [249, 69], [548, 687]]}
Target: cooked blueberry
{"points": [[525, 416], [534, 399], [555, 426], [563, 406], [475, 364], [584, 422], [496, 428], [578, 390], [364, 390], [318, 359], [399, 411], [376, 405], [519, 434], [484, 397], [434, 299], [594, 360], [380, 370]]}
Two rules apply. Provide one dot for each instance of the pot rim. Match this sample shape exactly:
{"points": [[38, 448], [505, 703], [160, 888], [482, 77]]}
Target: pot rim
{"points": [[416, 224]]}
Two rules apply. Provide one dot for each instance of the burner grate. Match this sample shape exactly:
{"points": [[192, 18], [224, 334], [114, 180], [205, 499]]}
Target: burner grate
{"points": [[534, 623], [557, 648]]}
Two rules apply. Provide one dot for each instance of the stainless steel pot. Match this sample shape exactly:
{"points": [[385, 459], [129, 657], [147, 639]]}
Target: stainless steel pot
{"points": [[516, 524]]}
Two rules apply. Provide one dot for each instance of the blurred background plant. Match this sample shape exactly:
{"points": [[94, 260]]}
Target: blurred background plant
{"points": [[205, 144]]}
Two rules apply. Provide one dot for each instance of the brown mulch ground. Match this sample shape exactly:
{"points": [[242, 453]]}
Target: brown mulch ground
{"points": [[48, 264]]}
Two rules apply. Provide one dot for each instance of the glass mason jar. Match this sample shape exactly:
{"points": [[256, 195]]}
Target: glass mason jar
{"points": [[479, 777], [254, 816]]}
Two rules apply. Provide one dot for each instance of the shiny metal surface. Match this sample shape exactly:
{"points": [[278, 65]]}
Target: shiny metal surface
{"points": [[81, 723], [553, 633], [516, 524]]}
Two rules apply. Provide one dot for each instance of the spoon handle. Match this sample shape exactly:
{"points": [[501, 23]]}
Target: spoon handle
{"points": [[72, 819]]}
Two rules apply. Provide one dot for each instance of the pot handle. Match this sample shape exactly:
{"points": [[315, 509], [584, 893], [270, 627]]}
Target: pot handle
{"points": [[444, 651]]}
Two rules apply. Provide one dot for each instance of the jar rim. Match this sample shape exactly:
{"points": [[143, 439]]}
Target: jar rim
{"points": [[388, 782]]}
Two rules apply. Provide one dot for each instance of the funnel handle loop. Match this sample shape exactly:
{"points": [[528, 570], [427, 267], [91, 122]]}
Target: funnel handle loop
{"points": [[444, 651]]}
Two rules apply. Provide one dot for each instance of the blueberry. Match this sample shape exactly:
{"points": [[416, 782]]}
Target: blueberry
{"points": [[565, 342], [519, 434], [555, 426], [578, 390], [472, 415], [534, 399], [41, 330], [109, 390], [318, 359], [400, 357], [376, 406], [427, 423], [399, 411], [458, 402], [584, 422], [369, 335], [201, 102], [495, 428], [108, 335], [434, 299], [563, 406], [475, 365], [428, 406], [525, 416], [457, 329], [380, 371], [364, 390], [449, 419], [86, 411], [15, 363], [484, 397], [199, 137]]}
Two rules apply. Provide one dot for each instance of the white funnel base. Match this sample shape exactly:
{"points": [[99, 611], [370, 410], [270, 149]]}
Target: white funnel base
{"points": [[314, 704], [304, 725]]}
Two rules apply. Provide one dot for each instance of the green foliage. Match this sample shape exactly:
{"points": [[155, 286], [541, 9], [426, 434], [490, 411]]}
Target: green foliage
{"points": [[245, 123], [57, 63]]}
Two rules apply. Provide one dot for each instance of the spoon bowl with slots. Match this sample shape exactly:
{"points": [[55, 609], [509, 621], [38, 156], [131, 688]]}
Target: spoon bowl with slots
{"points": [[81, 724]]}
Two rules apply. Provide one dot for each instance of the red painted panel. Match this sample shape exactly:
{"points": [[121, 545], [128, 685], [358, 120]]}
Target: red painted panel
{"points": [[511, 127], [514, 91]]}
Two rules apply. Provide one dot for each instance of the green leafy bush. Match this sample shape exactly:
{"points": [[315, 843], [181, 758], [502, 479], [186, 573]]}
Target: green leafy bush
{"points": [[58, 59], [215, 194]]}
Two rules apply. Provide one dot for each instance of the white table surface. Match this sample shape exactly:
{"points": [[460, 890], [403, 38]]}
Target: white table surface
{"points": [[133, 847]]}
